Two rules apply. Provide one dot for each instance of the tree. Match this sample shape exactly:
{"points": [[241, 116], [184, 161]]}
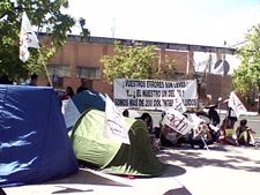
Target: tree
{"points": [[246, 79], [47, 16], [133, 62]]}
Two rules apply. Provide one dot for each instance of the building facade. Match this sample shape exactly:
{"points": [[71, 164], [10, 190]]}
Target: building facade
{"points": [[81, 59]]}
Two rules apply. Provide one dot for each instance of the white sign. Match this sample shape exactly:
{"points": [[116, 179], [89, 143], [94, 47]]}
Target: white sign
{"points": [[177, 122], [154, 94], [115, 125], [70, 112], [236, 104]]}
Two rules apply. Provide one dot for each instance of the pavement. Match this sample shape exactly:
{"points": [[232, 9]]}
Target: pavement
{"points": [[223, 169]]}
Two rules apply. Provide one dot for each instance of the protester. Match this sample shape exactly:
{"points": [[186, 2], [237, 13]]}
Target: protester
{"points": [[245, 134], [161, 120], [232, 115], [213, 115], [147, 118], [227, 132], [83, 85], [33, 80], [168, 136], [202, 131], [125, 113], [68, 94], [158, 130]]}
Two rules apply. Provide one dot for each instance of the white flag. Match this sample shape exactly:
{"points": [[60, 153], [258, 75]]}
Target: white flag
{"points": [[28, 38], [191, 90], [178, 103], [177, 122], [70, 112], [115, 125], [236, 104]]}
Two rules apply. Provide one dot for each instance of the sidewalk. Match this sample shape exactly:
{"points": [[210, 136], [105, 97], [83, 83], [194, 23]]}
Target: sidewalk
{"points": [[223, 169]]}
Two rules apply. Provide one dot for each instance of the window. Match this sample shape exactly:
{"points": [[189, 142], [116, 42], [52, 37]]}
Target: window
{"points": [[89, 72], [59, 70]]}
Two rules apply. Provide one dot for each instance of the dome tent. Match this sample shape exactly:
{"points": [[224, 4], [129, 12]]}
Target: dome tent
{"points": [[110, 156], [89, 99], [34, 145]]}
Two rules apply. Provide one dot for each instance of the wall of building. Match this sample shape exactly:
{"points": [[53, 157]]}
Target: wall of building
{"points": [[218, 86], [87, 54], [83, 54]]}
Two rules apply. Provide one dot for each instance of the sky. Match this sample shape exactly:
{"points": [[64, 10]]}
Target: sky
{"points": [[200, 22]]}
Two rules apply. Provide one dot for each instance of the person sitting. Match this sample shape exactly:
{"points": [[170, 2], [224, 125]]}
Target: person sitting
{"points": [[147, 118], [227, 132], [213, 115], [69, 93], [202, 131], [125, 113], [201, 135], [158, 130], [245, 134], [168, 136]]}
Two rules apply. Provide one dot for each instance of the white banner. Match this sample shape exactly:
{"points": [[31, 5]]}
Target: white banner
{"points": [[115, 125], [154, 94], [236, 104], [177, 122]]}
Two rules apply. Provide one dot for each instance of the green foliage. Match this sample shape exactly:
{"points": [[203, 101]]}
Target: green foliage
{"points": [[47, 16], [85, 33], [132, 62], [170, 68], [246, 79]]}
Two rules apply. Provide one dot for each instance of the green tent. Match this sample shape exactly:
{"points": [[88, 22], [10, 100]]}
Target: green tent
{"points": [[110, 156]]}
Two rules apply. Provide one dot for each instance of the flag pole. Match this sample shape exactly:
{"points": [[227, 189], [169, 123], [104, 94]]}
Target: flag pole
{"points": [[48, 76], [205, 144]]}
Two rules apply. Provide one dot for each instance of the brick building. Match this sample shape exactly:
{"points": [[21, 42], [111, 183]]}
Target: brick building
{"points": [[81, 59]]}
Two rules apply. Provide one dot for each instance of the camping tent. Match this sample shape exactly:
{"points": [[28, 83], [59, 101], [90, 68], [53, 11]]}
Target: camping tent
{"points": [[72, 108], [110, 156], [89, 99], [34, 145]]}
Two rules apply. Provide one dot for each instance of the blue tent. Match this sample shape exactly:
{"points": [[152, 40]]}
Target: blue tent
{"points": [[34, 145], [88, 99]]}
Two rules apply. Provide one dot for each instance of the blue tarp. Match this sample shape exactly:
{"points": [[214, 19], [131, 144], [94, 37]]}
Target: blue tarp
{"points": [[34, 145]]}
